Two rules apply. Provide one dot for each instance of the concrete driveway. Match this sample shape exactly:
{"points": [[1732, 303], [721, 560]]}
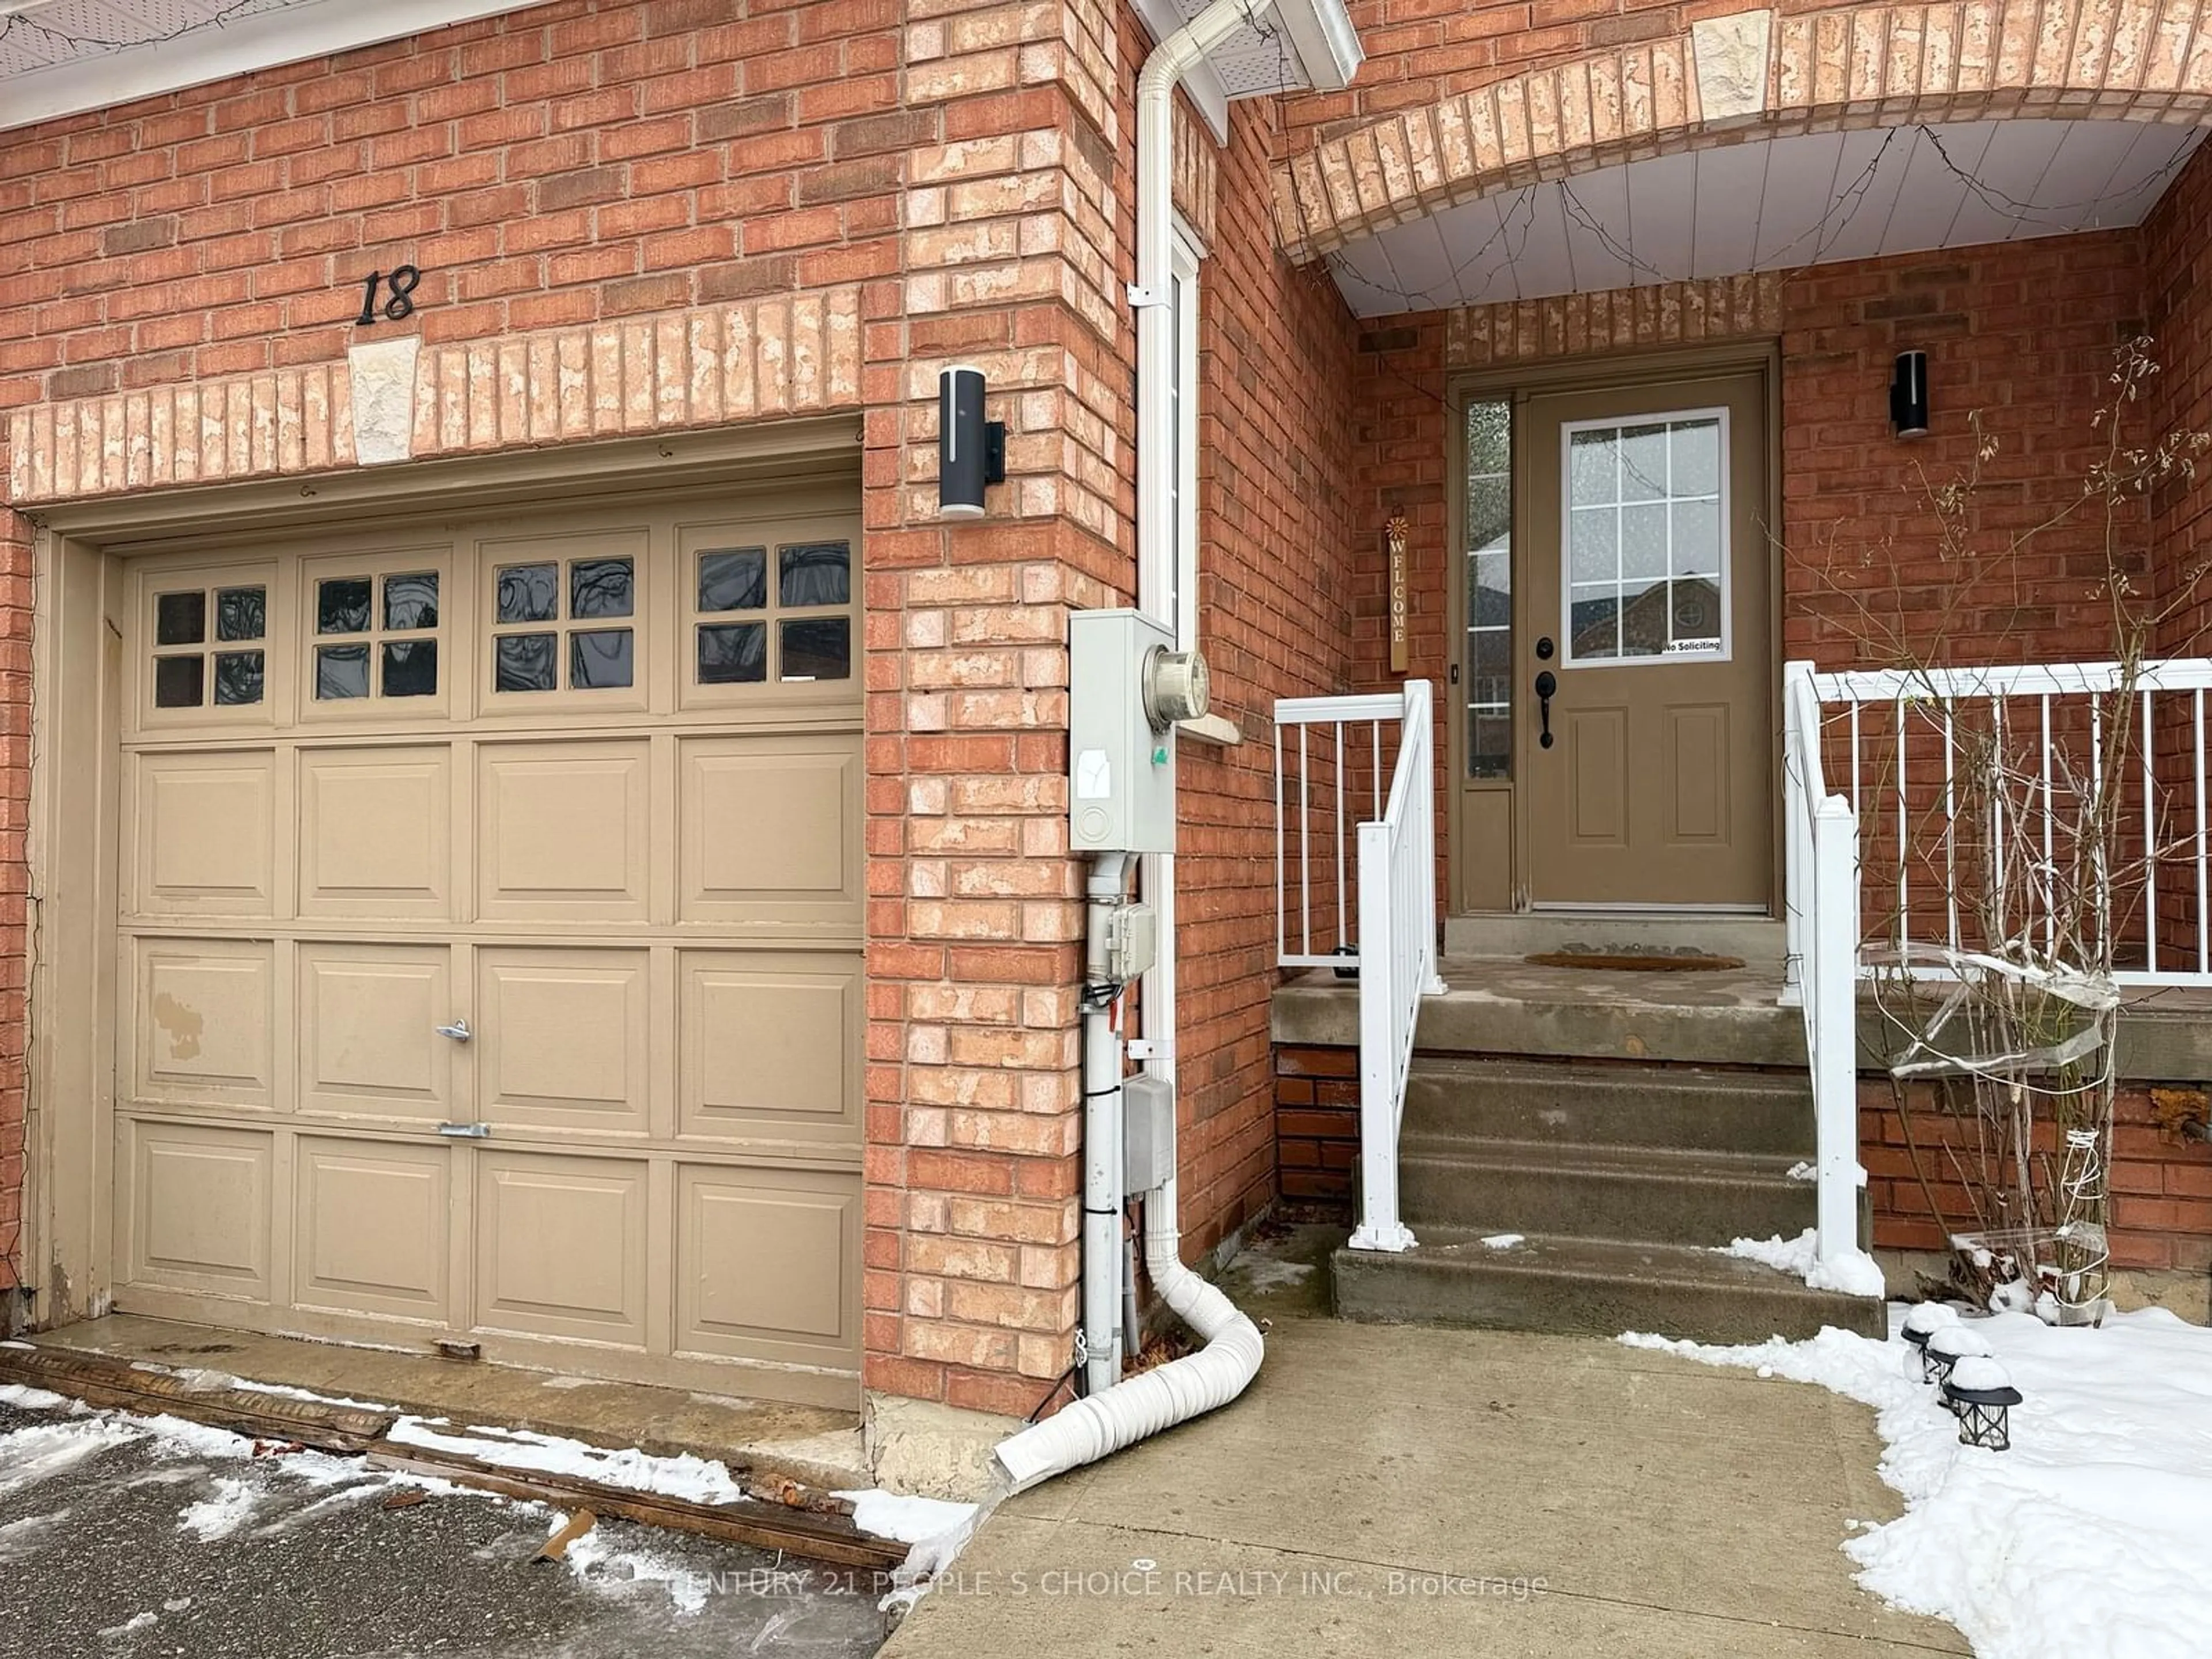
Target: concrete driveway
{"points": [[1400, 1490]]}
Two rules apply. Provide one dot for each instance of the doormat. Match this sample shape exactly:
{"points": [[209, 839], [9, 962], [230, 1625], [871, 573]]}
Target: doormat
{"points": [[1657, 962]]}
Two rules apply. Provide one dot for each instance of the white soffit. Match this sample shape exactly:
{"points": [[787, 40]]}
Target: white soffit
{"points": [[61, 57], [1770, 205]]}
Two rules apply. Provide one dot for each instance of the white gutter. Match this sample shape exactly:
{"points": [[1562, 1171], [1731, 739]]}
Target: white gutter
{"points": [[1118, 1413]]}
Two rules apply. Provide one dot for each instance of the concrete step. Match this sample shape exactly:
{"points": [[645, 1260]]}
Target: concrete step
{"points": [[1611, 1105], [1588, 1287], [1652, 1194]]}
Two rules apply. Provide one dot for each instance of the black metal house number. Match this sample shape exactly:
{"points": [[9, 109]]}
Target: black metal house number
{"points": [[398, 302]]}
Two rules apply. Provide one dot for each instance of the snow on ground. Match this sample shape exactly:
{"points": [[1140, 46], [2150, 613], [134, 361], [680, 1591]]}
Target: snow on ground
{"points": [[2086, 1539], [908, 1520], [1506, 1241], [1264, 1272], [1854, 1273], [604, 1565], [683, 1476], [1801, 1171]]}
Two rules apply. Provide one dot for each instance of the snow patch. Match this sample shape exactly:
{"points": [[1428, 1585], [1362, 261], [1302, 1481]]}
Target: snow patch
{"points": [[234, 1503], [137, 1621], [27, 1399], [22, 1540], [2087, 1537], [597, 1562], [1854, 1272], [1265, 1272], [908, 1520], [1506, 1241], [1801, 1171], [696, 1479], [45, 1449]]}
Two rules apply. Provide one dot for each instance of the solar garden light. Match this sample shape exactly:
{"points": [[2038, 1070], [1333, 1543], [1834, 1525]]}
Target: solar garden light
{"points": [[1982, 1396], [1946, 1347], [1923, 1321]]}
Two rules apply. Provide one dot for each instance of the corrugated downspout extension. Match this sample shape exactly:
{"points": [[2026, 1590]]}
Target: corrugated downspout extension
{"points": [[1103, 1424]]}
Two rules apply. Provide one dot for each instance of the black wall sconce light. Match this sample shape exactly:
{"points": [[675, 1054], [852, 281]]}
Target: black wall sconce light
{"points": [[971, 452], [1908, 394]]}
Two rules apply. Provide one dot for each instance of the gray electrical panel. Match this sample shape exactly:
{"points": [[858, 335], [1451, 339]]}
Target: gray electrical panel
{"points": [[1120, 785], [1148, 1134]]}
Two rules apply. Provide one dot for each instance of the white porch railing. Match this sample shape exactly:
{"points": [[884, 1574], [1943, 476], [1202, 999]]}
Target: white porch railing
{"points": [[1380, 885], [1822, 885], [1901, 736], [1902, 740]]}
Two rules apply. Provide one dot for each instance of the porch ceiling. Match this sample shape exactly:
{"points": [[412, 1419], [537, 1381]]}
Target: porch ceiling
{"points": [[1770, 205]]}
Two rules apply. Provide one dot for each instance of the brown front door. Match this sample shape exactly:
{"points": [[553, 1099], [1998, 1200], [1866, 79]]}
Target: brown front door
{"points": [[1646, 769]]}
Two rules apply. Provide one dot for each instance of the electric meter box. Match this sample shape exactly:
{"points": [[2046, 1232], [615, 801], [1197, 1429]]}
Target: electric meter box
{"points": [[1121, 783]]}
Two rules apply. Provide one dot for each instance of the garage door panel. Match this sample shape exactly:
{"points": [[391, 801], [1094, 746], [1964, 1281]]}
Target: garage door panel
{"points": [[198, 1208], [368, 1042], [376, 832], [589, 777], [560, 1246], [205, 824], [202, 1022], [770, 1046], [371, 1227], [563, 830], [766, 1263], [770, 831], [562, 1041]]}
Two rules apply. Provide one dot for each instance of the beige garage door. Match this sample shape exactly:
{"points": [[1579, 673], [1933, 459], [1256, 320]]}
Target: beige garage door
{"points": [[490, 914]]}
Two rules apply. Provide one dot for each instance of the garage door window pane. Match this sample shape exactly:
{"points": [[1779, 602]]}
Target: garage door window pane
{"points": [[529, 593], [816, 573], [600, 587], [237, 677], [411, 602], [734, 578], [524, 662], [180, 619], [241, 613], [410, 668], [818, 648], [176, 682], [340, 673], [733, 653], [342, 606], [600, 659]]}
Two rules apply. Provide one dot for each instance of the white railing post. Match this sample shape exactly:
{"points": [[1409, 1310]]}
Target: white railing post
{"points": [[1831, 997], [1797, 825], [1420, 722], [1380, 1099]]}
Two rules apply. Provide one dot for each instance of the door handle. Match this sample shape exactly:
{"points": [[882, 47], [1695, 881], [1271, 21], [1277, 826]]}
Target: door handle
{"points": [[458, 1030], [1547, 684]]}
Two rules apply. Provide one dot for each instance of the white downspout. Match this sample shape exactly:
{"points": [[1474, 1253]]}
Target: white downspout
{"points": [[1119, 1413]]}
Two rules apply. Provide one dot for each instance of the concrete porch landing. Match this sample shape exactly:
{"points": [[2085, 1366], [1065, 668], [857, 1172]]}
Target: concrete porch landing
{"points": [[1506, 1005], [1672, 1510], [816, 1447]]}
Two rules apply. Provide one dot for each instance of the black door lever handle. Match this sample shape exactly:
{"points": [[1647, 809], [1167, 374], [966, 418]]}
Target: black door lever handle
{"points": [[1547, 684]]}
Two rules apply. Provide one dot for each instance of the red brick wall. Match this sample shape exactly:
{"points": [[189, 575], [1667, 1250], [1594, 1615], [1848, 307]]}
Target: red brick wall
{"points": [[2177, 241], [2161, 1183], [591, 160], [1317, 1123], [2023, 332], [1274, 598]]}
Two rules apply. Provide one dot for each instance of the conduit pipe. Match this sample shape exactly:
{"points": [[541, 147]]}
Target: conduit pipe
{"points": [[1101, 1141], [1114, 1413]]}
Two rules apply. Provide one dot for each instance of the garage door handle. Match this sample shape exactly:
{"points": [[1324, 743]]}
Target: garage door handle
{"points": [[466, 1131], [458, 1030]]}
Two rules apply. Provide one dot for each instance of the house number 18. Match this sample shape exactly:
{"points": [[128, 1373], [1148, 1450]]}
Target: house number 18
{"points": [[399, 300]]}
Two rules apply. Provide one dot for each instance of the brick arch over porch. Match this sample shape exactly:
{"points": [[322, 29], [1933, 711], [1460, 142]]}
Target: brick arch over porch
{"points": [[1753, 73]]}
